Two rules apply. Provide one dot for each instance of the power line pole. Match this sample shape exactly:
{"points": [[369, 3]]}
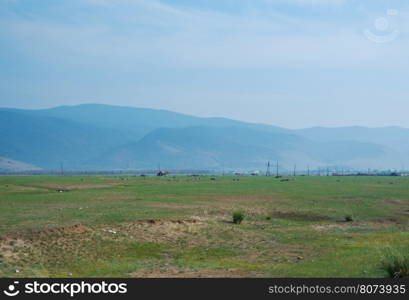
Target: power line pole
{"points": [[295, 168], [277, 169], [268, 169], [308, 170]]}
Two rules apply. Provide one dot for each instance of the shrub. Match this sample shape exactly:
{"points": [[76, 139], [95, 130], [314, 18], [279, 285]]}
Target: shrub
{"points": [[238, 216], [348, 218], [396, 262]]}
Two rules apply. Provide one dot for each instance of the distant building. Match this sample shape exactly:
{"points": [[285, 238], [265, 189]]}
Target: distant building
{"points": [[162, 173]]}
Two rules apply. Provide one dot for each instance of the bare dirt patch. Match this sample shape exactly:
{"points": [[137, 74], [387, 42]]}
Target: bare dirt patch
{"points": [[365, 225], [329, 227], [162, 222], [160, 230], [179, 272], [10, 247], [72, 229], [300, 216], [389, 221]]}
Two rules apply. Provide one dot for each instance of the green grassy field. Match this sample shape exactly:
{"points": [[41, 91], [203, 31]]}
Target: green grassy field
{"points": [[133, 226]]}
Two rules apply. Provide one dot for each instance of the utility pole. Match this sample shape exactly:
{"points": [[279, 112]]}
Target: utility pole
{"points": [[277, 169], [319, 171], [268, 169], [62, 168], [308, 170], [295, 168]]}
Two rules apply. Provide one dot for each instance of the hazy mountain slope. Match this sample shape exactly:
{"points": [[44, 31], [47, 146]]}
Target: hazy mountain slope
{"points": [[108, 137], [235, 147], [45, 141], [137, 121], [393, 137], [201, 147], [8, 164]]}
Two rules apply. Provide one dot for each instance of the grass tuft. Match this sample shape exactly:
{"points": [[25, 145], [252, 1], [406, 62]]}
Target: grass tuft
{"points": [[238, 216], [396, 262], [348, 218]]}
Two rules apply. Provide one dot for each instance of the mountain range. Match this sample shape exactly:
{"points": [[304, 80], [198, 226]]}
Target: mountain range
{"points": [[103, 137]]}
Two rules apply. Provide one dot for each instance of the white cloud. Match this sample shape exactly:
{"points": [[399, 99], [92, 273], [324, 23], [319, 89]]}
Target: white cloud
{"points": [[117, 51], [152, 32], [140, 31]]}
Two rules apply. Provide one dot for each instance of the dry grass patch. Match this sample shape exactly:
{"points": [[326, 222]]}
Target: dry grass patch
{"points": [[66, 187], [10, 188]]}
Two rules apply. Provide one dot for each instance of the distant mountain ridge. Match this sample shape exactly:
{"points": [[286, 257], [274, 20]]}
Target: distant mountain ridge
{"points": [[7, 164], [94, 136], [137, 121]]}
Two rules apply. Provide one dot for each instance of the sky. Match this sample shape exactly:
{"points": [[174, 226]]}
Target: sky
{"points": [[290, 63]]}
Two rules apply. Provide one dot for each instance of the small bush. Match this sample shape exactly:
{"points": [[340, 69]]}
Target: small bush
{"points": [[238, 216], [348, 218], [396, 262]]}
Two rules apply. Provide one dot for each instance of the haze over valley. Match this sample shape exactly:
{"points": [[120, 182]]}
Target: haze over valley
{"points": [[102, 137]]}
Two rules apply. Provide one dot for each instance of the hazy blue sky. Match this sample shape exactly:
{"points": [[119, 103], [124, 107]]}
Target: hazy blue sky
{"points": [[292, 63]]}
